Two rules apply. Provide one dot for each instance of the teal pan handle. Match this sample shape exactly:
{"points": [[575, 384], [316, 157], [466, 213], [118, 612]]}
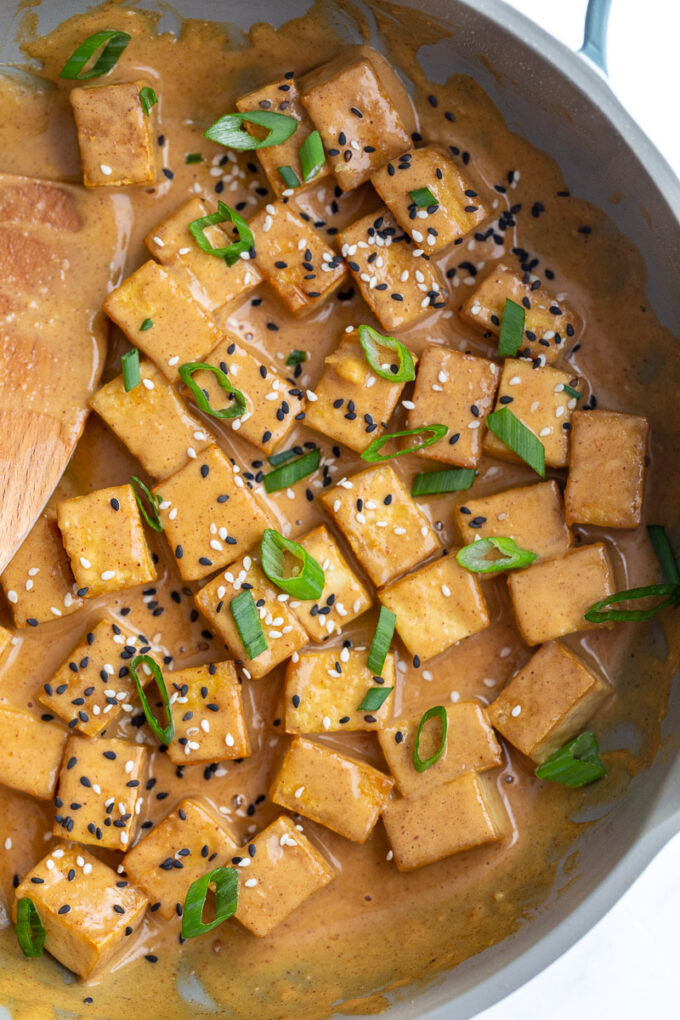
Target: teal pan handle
{"points": [[595, 33]]}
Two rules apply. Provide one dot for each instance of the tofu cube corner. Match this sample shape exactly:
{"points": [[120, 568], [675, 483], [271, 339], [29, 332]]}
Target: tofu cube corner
{"points": [[38, 581], [32, 752], [208, 711], [115, 135]]}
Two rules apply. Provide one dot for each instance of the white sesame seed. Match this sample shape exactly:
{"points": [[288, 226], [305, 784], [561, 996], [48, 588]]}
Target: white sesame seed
{"points": [[298, 793], [516, 711], [12, 597], [85, 563], [107, 171]]}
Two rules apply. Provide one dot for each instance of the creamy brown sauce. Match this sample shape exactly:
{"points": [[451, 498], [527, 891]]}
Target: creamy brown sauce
{"points": [[372, 929]]}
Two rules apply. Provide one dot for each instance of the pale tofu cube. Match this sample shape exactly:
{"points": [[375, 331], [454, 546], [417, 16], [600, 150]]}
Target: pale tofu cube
{"points": [[388, 532], [207, 709], [208, 514], [285, 871], [548, 702], [550, 599], [104, 537], [456, 390], [470, 746], [38, 581], [115, 135], [86, 909], [397, 279], [323, 692], [606, 479], [32, 750], [180, 849], [294, 258], [344, 596], [451, 817], [436, 606], [532, 515], [345, 795], [180, 330], [548, 323], [99, 795]]}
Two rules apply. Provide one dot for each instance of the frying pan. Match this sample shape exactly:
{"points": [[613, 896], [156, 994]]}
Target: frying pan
{"points": [[562, 103]]}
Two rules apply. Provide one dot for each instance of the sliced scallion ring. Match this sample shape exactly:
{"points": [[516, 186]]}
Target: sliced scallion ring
{"points": [[288, 474], [113, 41], [225, 214], [514, 433], [475, 557], [374, 698], [151, 516], [576, 764], [129, 364], [163, 733], [147, 98], [512, 329], [247, 620], [382, 639], [312, 156], [228, 130], [434, 483], [371, 340], [225, 881], [233, 410], [423, 198], [438, 712], [309, 580], [372, 452], [29, 928]]}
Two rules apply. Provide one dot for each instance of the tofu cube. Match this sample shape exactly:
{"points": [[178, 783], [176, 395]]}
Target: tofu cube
{"points": [[31, 753], [104, 538], [536, 397], [390, 533], [471, 746], [457, 390], [451, 817], [294, 258], [344, 596], [548, 702], [99, 793], [285, 871], [208, 713], [353, 404], [323, 692], [551, 598], [345, 795], [208, 514], [436, 606], [457, 208], [548, 323], [180, 330], [87, 911], [38, 581], [606, 479], [532, 515], [115, 135], [183, 847], [397, 280], [359, 124]]}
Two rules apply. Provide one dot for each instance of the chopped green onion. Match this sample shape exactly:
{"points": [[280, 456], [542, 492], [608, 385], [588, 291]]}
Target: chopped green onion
{"points": [[512, 330], [370, 340], [439, 712], [193, 157], [514, 433], [283, 456], [225, 214], [662, 548], [296, 357], [374, 698], [132, 375], [234, 410], [147, 324], [228, 130], [247, 620], [382, 638], [29, 928], [576, 764], [571, 392], [163, 733], [148, 98], [669, 594], [474, 557], [423, 198], [434, 483], [306, 581], [372, 452], [115, 42], [290, 178], [151, 516], [312, 156], [288, 474], [225, 881]]}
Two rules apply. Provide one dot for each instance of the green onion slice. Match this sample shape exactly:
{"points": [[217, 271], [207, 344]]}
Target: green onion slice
{"points": [[571, 392], [669, 595], [370, 340], [163, 733], [512, 329], [193, 157], [247, 620], [423, 198], [312, 156], [662, 548], [576, 764], [288, 474], [372, 452], [151, 516], [132, 375], [283, 456], [225, 881], [382, 639], [147, 324], [290, 178], [147, 98], [29, 928], [306, 579], [113, 41], [228, 130], [296, 357], [514, 433], [374, 698], [475, 557], [440, 712], [225, 214], [233, 410], [434, 483]]}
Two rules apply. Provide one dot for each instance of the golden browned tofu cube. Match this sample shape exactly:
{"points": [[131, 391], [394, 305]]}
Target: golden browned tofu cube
{"points": [[550, 599], [38, 581], [532, 515], [353, 404], [208, 514], [343, 598], [32, 750], [99, 795], [388, 532], [294, 258], [104, 538], [457, 390], [86, 909], [324, 690], [160, 317], [470, 746], [536, 397], [548, 702], [457, 208], [207, 709], [548, 324], [284, 872], [183, 847], [358, 122], [397, 280], [436, 606], [451, 817], [114, 135], [606, 469], [345, 795]]}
